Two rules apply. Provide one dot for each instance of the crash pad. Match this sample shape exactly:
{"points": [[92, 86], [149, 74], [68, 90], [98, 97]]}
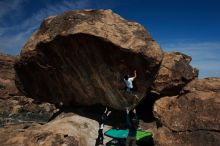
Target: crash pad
{"points": [[123, 133]]}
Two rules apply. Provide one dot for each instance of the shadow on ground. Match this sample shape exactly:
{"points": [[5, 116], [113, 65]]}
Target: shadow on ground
{"points": [[117, 117]]}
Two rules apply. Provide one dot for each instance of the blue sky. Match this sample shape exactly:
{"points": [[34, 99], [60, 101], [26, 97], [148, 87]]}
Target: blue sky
{"points": [[188, 26]]}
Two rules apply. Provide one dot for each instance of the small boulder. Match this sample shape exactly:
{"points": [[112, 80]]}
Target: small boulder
{"points": [[174, 73]]}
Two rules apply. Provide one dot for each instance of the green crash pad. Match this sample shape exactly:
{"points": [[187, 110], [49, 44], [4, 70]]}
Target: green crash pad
{"points": [[123, 133]]}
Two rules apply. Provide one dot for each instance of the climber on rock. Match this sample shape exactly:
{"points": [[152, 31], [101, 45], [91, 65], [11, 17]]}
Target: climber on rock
{"points": [[102, 122], [129, 83]]}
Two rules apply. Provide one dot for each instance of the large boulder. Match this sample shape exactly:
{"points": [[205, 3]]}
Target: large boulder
{"points": [[80, 57], [192, 118], [174, 73]]}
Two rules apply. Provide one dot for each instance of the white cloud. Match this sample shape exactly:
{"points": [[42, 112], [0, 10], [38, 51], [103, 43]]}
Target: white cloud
{"points": [[13, 38], [205, 55], [9, 6], [10, 44]]}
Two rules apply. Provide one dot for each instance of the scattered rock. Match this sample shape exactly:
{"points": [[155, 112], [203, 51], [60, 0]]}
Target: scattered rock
{"points": [[15, 108], [12, 111]]}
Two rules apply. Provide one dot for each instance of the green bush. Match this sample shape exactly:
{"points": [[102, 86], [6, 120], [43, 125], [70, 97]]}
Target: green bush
{"points": [[23, 109], [2, 86]]}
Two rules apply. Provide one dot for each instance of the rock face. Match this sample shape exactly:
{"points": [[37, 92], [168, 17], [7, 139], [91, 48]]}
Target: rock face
{"points": [[30, 135], [174, 73], [80, 57], [66, 130], [7, 76], [192, 118]]}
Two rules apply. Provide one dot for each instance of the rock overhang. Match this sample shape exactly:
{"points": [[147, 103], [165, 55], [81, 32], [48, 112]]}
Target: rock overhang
{"points": [[83, 65]]}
